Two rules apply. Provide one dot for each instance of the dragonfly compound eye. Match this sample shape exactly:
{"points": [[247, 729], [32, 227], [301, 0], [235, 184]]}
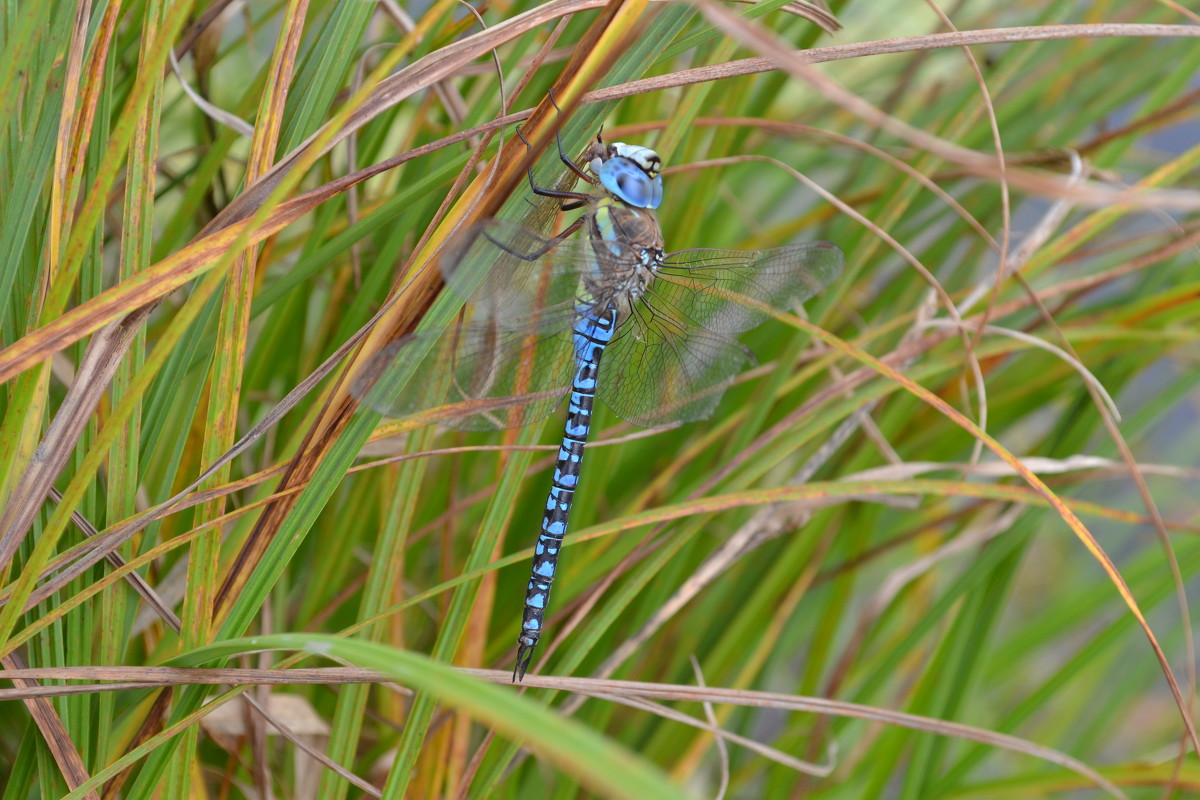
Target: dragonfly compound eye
{"points": [[630, 183]]}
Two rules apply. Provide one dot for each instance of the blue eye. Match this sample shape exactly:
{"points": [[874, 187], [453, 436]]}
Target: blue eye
{"points": [[630, 184]]}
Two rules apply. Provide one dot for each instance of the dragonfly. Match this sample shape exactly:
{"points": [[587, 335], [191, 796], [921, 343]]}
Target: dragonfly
{"points": [[542, 312]]}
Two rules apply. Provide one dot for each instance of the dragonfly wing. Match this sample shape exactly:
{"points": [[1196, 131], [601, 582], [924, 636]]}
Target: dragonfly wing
{"points": [[673, 358], [510, 272], [507, 360], [473, 376], [661, 369], [730, 291]]}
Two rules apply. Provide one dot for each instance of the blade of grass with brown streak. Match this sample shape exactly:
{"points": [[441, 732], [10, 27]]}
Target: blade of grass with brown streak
{"points": [[124, 463], [225, 381]]}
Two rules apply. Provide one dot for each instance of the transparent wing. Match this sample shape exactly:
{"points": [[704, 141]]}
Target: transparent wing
{"points": [[510, 272], [673, 358], [661, 369], [729, 291], [507, 361], [474, 376]]}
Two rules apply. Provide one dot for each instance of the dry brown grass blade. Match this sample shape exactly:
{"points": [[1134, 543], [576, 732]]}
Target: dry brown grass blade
{"points": [[178, 676], [135, 579], [69, 132], [197, 29], [70, 763], [151, 724], [815, 705], [59, 441], [145, 677]]}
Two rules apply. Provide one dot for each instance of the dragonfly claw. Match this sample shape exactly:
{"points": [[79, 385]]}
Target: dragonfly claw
{"points": [[524, 657]]}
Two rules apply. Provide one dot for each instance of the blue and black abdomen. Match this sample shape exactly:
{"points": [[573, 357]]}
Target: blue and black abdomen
{"points": [[592, 334]]}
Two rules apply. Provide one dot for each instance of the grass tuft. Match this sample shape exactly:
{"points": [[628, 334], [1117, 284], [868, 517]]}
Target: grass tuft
{"points": [[933, 545]]}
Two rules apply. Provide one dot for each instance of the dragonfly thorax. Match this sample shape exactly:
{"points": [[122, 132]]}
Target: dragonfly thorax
{"points": [[628, 249]]}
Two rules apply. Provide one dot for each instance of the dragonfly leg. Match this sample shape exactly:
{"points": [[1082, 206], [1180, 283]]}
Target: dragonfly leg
{"points": [[572, 199], [562, 156], [541, 251]]}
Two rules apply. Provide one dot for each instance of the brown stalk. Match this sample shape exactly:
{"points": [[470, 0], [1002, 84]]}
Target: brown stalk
{"points": [[69, 762]]}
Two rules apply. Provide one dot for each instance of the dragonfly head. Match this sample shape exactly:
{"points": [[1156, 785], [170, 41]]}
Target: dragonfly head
{"points": [[629, 172]]}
